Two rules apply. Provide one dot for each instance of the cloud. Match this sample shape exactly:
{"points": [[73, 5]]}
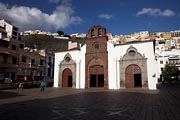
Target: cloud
{"points": [[156, 12], [105, 16], [32, 18]]}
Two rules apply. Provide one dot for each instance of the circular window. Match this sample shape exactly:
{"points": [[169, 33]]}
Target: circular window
{"points": [[96, 45], [67, 59]]}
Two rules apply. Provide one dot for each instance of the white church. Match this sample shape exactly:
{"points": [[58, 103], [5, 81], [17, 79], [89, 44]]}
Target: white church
{"points": [[99, 63]]}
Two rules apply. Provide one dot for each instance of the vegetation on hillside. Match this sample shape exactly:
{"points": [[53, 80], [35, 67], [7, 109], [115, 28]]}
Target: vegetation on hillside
{"points": [[48, 42]]}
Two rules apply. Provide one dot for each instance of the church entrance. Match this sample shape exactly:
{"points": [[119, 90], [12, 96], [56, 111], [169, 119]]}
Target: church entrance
{"points": [[96, 76], [67, 78], [133, 76], [137, 80]]}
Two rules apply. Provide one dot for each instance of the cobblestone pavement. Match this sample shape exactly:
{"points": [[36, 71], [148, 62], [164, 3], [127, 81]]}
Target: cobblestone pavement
{"points": [[91, 104]]}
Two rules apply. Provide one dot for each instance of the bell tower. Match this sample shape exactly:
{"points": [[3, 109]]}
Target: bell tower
{"points": [[96, 58]]}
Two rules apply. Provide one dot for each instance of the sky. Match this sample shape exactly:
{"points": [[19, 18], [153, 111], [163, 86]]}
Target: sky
{"points": [[119, 17]]}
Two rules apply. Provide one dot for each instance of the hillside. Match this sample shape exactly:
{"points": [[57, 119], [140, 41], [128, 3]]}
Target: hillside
{"points": [[48, 42]]}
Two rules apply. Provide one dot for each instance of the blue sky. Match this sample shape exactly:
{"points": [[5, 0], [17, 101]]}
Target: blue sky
{"points": [[77, 16]]}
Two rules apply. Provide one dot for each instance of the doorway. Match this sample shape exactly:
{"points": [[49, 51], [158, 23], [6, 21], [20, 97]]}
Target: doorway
{"points": [[137, 80], [97, 80], [70, 81], [133, 76], [67, 78], [93, 81], [96, 76], [101, 80]]}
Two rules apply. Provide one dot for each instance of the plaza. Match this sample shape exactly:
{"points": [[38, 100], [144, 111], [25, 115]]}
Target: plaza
{"points": [[91, 104]]}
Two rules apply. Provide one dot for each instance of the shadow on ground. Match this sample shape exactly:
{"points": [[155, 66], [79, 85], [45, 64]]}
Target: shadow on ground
{"points": [[6, 94], [95, 105]]}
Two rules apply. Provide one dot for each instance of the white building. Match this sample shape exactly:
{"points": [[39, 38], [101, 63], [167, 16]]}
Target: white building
{"points": [[11, 30], [167, 57], [101, 64]]}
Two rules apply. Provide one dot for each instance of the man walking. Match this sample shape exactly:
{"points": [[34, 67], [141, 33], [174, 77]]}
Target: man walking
{"points": [[42, 85]]}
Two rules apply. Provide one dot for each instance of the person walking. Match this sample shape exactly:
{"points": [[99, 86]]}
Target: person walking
{"points": [[42, 85], [21, 85]]}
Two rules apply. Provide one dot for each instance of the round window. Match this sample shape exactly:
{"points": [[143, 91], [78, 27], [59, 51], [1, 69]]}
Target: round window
{"points": [[67, 59], [96, 46]]}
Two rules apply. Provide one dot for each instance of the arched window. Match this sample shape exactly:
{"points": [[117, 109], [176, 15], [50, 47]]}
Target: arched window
{"points": [[99, 32], [132, 53], [92, 33]]}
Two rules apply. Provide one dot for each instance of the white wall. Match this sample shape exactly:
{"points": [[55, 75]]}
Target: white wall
{"points": [[113, 76], [79, 57], [144, 48]]}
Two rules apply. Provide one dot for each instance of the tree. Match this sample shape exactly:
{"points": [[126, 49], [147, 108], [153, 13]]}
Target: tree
{"points": [[170, 73], [61, 33]]}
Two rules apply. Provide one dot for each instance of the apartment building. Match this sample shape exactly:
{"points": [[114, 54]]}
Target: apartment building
{"points": [[48, 64], [9, 56], [12, 31], [31, 66], [163, 57], [175, 33], [19, 63]]}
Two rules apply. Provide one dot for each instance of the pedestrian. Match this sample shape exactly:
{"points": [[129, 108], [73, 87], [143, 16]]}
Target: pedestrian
{"points": [[21, 85], [42, 85], [17, 84]]}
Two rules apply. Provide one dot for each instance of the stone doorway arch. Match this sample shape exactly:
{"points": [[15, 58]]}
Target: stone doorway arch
{"points": [[133, 76], [67, 78], [67, 67], [133, 69]]}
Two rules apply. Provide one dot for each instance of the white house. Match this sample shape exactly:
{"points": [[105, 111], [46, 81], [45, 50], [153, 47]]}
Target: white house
{"points": [[171, 57]]}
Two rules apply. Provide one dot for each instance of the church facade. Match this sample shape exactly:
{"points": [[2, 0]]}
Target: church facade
{"points": [[99, 63]]}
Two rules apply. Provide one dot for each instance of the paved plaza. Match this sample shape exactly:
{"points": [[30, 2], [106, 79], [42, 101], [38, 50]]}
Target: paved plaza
{"points": [[91, 104]]}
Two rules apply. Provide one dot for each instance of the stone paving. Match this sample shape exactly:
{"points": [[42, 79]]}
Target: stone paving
{"points": [[91, 104]]}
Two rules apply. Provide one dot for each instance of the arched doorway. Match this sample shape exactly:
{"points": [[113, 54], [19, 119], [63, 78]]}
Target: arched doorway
{"points": [[67, 78], [96, 73], [133, 76]]}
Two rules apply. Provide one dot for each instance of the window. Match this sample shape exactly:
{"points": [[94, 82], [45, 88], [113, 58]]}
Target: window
{"points": [[99, 31], [96, 46], [162, 69], [67, 59], [13, 47], [132, 53], [49, 58], [14, 60], [92, 33], [161, 62], [21, 46], [33, 61], [4, 43], [49, 71], [5, 59], [41, 62], [24, 59], [23, 72]]}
